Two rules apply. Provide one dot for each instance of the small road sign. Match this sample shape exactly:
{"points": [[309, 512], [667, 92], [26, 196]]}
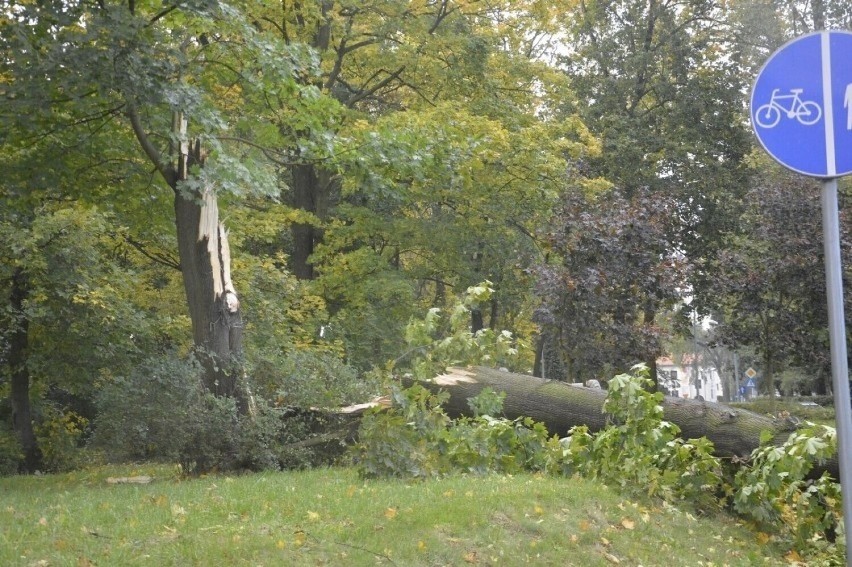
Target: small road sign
{"points": [[750, 383], [751, 372], [801, 104]]}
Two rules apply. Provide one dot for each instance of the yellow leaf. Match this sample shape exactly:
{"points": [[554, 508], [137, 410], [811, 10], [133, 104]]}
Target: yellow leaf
{"points": [[538, 510], [313, 516], [628, 524], [762, 538], [574, 538], [421, 545], [42, 521], [350, 492], [299, 538], [584, 525], [604, 541], [470, 557], [449, 494], [280, 544], [794, 557], [390, 513]]}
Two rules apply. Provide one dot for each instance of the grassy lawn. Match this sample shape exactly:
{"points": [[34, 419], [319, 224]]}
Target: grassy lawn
{"points": [[332, 517]]}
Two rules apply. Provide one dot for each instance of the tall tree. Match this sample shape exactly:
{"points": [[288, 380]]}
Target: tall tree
{"points": [[169, 76], [654, 83], [769, 281], [611, 270]]}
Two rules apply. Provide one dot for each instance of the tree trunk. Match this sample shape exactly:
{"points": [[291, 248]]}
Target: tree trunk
{"points": [[205, 260], [214, 308], [561, 406], [22, 419], [311, 192]]}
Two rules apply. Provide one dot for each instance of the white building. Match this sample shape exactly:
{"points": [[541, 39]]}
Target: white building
{"points": [[676, 377]]}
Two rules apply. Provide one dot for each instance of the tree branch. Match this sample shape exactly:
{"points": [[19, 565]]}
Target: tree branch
{"points": [[168, 172], [162, 14], [157, 257], [361, 95]]}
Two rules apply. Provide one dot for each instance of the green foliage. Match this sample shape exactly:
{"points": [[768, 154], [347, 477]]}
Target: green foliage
{"points": [[640, 451], [774, 490], [59, 435], [11, 455], [162, 412], [435, 342], [487, 402], [305, 378], [417, 439]]}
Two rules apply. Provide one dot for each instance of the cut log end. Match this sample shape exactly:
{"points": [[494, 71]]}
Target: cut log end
{"points": [[455, 376]]}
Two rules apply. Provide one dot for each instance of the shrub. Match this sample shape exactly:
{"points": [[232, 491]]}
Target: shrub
{"points": [[59, 434], [308, 379], [11, 455], [162, 412]]}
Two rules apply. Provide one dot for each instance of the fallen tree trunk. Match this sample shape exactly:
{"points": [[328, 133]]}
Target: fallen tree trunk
{"points": [[735, 432]]}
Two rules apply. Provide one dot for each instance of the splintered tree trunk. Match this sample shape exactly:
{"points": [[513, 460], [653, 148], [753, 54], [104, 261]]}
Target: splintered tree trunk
{"points": [[561, 406], [205, 260], [213, 304]]}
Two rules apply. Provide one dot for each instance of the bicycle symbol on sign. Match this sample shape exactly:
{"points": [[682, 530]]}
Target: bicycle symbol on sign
{"points": [[807, 112]]}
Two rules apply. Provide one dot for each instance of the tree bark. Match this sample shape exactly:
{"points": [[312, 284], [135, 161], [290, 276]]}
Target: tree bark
{"points": [[311, 192], [561, 406], [22, 418]]}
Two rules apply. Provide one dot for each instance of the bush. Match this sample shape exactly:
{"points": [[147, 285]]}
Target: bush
{"points": [[162, 412], [11, 455], [308, 379], [59, 434], [640, 451]]}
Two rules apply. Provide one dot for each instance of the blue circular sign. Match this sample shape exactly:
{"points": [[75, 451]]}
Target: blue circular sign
{"points": [[801, 104]]}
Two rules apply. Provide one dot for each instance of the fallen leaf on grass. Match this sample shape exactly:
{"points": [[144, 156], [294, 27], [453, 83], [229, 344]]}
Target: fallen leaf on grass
{"points": [[313, 516], [627, 524], [390, 513], [794, 557], [470, 557], [762, 538], [611, 558]]}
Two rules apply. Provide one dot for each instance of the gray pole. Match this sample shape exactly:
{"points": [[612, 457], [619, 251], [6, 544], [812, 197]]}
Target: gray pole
{"points": [[736, 377], [837, 336]]}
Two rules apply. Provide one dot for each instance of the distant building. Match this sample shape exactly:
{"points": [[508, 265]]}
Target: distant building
{"points": [[676, 378]]}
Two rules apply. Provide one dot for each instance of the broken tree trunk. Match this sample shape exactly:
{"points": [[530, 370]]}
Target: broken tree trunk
{"points": [[560, 406], [205, 260]]}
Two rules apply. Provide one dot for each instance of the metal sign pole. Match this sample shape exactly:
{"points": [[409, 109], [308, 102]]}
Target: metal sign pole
{"points": [[839, 365]]}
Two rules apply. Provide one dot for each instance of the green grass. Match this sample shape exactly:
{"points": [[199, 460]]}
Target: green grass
{"points": [[333, 517]]}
